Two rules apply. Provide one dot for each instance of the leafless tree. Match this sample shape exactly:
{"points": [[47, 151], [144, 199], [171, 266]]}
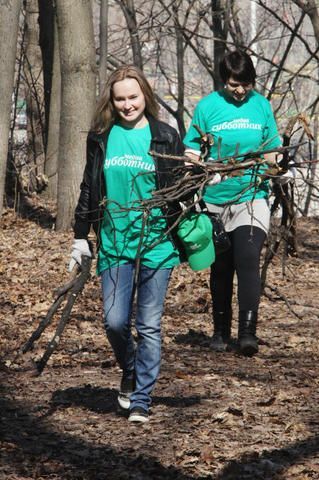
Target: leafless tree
{"points": [[53, 119], [46, 20], [104, 10], [311, 8], [9, 22], [78, 76], [220, 26], [179, 45], [129, 12]]}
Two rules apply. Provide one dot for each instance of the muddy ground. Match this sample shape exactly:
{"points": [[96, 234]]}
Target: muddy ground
{"points": [[214, 416]]}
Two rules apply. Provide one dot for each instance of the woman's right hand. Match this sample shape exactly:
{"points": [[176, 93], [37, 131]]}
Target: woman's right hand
{"points": [[287, 177], [80, 247]]}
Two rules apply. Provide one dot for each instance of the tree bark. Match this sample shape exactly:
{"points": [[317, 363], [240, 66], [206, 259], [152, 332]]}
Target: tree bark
{"points": [[311, 8], [9, 22], [78, 94], [52, 151], [220, 31], [103, 44], [46, 38], [129, 11], [180, 75], [33, 73], [313, 167]]}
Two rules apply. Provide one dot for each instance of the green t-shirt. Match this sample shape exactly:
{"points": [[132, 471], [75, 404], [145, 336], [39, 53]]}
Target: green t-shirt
{"points": [[129, 173], [240, 127]]}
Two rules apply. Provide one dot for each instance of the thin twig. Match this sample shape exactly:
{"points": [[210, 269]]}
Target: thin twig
{"points": [[229, 159], [281, 297]]}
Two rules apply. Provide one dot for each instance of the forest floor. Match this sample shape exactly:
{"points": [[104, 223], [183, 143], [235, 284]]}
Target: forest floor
{"points": [[214, 416]]}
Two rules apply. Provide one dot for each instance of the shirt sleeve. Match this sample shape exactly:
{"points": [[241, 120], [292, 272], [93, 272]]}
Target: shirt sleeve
{"points": [[271, 137], [192, 137]]}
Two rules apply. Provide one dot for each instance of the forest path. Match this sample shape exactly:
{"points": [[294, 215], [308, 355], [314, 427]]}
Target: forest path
{"points": [[215, 416]]}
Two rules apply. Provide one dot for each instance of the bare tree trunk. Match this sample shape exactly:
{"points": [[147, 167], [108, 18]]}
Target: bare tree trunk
{"points": [[103, 44], [311, 8], [314, 17], [46, 39], [33, 72], [180, 75], [313, 167], [52, 152], [129, 11], [220, 12], [9, 22], [78, 94]]}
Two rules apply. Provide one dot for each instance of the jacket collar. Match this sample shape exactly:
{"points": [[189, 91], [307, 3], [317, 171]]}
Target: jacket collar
{"points": [[100, 138], [157, 132]]}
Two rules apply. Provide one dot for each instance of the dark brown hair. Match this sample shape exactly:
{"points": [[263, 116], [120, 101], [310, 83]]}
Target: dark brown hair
{"points": [[105, 113], [239, 66]]}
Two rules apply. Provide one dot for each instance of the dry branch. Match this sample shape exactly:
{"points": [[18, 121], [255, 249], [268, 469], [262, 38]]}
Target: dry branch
{"points": [[226, 164], [282, 297], [68, 292], [284, 199], [195, 174]]}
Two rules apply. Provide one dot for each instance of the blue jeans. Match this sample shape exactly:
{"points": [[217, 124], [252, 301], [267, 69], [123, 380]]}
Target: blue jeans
{"points": [[118, 296]]}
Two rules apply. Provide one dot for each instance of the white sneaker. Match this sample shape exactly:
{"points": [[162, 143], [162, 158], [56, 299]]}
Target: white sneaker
{"points": [[126, 389], [123, 400], [138, 415]]}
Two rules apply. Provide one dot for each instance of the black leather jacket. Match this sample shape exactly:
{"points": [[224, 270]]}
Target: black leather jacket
{"points": [[89, 210]]}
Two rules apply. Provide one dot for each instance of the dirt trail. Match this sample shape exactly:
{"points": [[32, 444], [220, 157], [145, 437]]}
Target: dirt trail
{"points": [[214, 416]]}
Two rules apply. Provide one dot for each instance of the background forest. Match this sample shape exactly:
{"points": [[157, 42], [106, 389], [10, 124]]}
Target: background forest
{"points": [[55, 56], [216, 417]]}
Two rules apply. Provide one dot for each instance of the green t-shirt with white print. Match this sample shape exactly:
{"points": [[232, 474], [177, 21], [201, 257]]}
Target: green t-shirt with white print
{"points": [[129, 173], [237, 127]]}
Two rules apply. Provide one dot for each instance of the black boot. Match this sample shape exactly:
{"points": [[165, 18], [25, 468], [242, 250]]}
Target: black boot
{"points": [[222, 331], [248, 343]]}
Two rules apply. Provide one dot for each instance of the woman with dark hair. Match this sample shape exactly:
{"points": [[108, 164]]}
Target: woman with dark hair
{"points": [[239, 66], [134, 254], [241, 121]]}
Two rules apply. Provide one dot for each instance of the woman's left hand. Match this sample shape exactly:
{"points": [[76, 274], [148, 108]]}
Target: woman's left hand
{"points": [[215, 179]]}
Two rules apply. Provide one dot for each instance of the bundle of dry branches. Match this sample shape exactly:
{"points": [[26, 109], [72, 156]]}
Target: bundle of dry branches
{"points": [[194, 175]]}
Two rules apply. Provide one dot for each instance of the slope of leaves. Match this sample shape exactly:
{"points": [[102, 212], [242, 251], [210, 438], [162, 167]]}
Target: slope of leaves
{"points": [[214, 416]]}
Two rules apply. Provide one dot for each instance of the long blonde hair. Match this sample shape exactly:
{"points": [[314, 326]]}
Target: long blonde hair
{"points": [[105, 113]]}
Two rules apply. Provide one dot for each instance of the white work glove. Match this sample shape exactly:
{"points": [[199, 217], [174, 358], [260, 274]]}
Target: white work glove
{"points": [[215, 180], [286, 177], [80, 247]]}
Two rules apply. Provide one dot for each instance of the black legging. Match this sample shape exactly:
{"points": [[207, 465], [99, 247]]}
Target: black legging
{"points": [[243, 257]]}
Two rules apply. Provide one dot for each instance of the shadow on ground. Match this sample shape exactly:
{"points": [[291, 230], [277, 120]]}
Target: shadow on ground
{"points": [[25, 208], [36, 449], [104, 400]]}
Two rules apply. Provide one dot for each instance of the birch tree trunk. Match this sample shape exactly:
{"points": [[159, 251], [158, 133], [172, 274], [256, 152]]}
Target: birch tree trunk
{"points": [[9, 22], [78, 94]]}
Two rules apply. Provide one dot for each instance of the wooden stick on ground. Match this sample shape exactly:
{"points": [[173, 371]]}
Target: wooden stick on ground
{"points": [[68, 292]]}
